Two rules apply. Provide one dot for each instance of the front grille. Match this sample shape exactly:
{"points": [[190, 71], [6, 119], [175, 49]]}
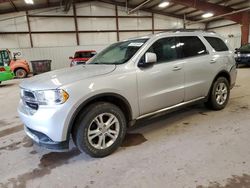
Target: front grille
{"points": [[34, 106], [29, 99], [29, 95]]}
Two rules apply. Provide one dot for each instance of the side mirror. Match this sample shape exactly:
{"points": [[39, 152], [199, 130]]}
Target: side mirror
{"points": [[236, 49], [148, 59], [70, 57]]}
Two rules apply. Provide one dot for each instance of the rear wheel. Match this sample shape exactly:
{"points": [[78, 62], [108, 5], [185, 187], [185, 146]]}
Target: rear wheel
{"points": [[100, 130], [219, 94], [21, 73]]}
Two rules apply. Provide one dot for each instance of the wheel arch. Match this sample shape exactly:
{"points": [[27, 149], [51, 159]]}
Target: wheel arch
{"points": [[222, 73], [113, 98]]}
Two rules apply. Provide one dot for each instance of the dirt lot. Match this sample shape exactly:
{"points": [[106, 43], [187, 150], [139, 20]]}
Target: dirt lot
{"points": [[192, 147]]}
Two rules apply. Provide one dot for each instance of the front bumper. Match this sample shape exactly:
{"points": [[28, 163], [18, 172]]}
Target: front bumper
{"points": [[44, 141], [49, 121]]}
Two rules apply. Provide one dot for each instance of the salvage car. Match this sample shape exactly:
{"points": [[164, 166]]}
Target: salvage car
{"points": [[95, 103]]}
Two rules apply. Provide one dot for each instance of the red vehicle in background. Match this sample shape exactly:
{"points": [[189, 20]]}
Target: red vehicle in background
{"points": [[81, 57]]}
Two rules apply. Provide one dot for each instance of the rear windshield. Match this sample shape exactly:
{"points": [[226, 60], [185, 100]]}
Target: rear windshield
{"points": [[217, 44]]}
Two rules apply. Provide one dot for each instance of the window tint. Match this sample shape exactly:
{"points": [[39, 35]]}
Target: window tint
{"points": [[165, 49], [192, 46], [217, 44]]}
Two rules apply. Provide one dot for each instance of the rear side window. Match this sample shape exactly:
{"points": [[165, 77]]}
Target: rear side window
{"points": [[217, 44], [192, 46]]}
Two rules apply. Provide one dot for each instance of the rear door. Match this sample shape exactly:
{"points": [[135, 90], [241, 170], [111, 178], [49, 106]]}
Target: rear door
{"points": [[198, 69]]}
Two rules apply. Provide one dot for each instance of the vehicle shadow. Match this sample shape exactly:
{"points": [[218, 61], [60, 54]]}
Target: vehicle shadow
{"points": [[168, 118]]}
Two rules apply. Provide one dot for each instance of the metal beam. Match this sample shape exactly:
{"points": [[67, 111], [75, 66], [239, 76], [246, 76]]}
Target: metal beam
{"points": [[139, 6], [208, 7], [191, 12], [69, 16], [180, 9], [153, 23], [117, 23], [76, 25], [144, 9], [87, 31], [13, 5], [209, 28], [25, 8], [28, 22], [238, 12], [222, 1], [238, 3]]}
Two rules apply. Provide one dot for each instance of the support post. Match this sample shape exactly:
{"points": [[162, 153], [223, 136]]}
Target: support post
{"points": [[117, 23], [245, 28], [76, 24], [28, 22], [153, 23]]}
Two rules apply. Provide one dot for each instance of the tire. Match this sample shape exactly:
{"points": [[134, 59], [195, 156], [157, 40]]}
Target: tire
{"points": [[219, 94], [89, 131], [21, 73]]}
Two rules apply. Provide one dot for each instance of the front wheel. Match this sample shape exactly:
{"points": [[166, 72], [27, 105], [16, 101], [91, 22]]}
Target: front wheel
{"points": [[100, 130], [219, 94]]}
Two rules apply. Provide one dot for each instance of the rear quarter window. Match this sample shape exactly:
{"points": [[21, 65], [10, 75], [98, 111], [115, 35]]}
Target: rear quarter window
{"points": [[217, 44]]}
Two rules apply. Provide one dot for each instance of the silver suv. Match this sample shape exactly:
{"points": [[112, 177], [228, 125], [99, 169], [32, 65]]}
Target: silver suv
{"points": [[129, 80]]}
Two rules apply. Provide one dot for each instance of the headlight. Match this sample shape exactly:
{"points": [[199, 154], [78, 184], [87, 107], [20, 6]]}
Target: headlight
{"points": [[51, 97]]}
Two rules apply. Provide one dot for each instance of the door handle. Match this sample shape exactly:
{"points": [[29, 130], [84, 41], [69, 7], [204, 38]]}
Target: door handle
{"points": [[176, 68], [212, 61]]}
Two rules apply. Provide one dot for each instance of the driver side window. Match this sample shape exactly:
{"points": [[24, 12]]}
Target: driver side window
{"points": [[165, 49]]}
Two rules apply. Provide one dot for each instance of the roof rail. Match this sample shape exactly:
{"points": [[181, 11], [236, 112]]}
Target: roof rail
{"points": [[184, 30]]}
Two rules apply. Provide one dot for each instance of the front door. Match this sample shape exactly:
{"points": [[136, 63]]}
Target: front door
{"points": [[162, 84]]}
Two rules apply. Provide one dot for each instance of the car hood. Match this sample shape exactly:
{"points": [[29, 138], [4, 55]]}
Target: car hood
{"points": [[55, 79]]}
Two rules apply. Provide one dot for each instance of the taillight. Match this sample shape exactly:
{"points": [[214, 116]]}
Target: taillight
{"points": [[2, 69]]}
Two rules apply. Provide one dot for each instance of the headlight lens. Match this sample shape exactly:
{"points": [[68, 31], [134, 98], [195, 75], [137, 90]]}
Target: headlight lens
{"points": [[52, 97]]}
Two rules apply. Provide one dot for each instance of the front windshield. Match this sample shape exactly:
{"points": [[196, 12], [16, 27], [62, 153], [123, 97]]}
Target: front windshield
{"points": [[118, 53]]}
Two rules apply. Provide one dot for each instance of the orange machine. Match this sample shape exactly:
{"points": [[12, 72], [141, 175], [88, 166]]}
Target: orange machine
{"points": [[20, 67]]}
